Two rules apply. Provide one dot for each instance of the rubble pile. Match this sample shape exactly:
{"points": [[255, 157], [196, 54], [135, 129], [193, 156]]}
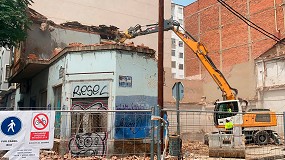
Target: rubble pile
{"points": [[195, 148], [51, 155]]}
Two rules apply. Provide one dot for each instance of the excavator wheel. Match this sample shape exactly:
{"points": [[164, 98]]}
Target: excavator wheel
{"points": [[276, 138], [261, 137]]}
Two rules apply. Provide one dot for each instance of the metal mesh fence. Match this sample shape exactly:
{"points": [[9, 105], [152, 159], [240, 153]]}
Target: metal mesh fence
{"points": [[263, 138], [122, 133], [104, 133]]}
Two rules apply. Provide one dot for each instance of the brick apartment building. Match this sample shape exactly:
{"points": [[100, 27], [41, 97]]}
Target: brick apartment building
{"points": [[232, 44]]}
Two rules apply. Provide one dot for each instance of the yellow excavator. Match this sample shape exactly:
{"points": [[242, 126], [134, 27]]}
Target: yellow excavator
{"points": [[250, 121]]}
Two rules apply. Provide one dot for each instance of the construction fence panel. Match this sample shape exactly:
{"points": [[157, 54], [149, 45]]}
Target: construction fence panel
{"points": [[105, 133], [196, 126], [136, 133]]}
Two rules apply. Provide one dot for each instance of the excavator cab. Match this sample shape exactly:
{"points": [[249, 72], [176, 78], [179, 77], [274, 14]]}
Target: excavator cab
{"points": [[223, 110]]}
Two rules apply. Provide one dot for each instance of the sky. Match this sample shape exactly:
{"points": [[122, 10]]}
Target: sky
{"points": [[183, 2]]}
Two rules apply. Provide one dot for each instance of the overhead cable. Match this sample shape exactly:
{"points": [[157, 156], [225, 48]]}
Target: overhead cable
{"points": [[250, 23]]}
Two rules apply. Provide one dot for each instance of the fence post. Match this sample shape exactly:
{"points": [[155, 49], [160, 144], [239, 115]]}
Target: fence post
{"points": [[177, 108], [152, 135], [62, 143], [284, 124], [158, 134]]}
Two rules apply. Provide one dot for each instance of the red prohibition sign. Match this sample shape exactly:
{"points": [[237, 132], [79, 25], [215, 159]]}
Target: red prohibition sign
{"points": [[37, 120]]}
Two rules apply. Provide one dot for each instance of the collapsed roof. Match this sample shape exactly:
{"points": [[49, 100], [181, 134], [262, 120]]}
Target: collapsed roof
{"points": [[105, 32]]}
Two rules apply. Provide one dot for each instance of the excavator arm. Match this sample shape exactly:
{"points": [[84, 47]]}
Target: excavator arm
{"points": [[198, 48], [229, 94]]}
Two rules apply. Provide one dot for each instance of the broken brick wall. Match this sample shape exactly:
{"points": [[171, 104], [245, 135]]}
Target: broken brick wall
{"points": [[44, 44], [232, 45]]}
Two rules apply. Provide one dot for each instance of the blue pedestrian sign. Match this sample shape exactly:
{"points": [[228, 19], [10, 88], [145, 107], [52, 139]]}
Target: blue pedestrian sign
{"points": [[11, 126]]}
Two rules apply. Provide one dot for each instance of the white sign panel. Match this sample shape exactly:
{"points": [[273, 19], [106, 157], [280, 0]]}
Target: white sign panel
{"points": [[35, 128], [13, 129], [23, 152], [90, 89], [42, 129]]}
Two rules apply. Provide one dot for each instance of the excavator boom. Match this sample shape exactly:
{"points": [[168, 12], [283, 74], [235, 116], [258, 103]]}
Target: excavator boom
{"points": [[249, 120], [198, 48]]}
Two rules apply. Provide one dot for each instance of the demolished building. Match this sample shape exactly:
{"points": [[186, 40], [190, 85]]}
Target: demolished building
{"points": [[74, 67]]}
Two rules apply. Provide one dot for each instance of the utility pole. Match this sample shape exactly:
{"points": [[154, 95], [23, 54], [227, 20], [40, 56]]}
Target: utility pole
{"points": [[160, 53], [160, 62]]}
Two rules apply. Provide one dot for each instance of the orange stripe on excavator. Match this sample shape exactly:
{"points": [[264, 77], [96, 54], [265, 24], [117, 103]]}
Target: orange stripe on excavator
{"points": [[251, 120]]}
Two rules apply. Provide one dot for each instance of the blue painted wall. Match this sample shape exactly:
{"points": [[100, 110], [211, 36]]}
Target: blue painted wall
{"points": [[136, 89], [135, 124]]}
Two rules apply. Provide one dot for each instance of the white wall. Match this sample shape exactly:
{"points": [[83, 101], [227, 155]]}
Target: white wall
{"points": [[275, 100], [80, 67], [270, 84], [271, 73], [143, 71]]}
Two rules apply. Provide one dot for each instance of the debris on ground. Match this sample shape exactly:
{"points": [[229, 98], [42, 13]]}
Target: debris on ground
{"points": [[195, 147]]}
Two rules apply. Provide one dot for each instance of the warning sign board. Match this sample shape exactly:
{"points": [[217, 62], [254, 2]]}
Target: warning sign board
{"points": [[40, 121], [42, 130], [34, 128], [12, 131]]}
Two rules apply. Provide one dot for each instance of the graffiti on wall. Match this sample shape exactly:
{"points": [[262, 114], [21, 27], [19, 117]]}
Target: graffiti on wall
{"points": [[88, 106], [94, 89], [88, 144], [89, 128], [133, 124]]}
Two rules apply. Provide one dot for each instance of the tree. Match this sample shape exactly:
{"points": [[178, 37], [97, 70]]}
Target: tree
{"points": [[14, 21]]}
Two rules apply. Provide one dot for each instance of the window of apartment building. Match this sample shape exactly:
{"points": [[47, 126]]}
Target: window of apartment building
{"points": [[173, 52], [173, 64], [180, 21], [7, 74], [181, 66], [179, 10], [173, 43], [180, 44], [180, 54]]}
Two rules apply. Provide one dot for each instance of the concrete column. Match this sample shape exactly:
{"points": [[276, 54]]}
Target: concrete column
{"points": [[199, 39], [283, 8], [275, 16], [220, 34], [249, 31]]}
